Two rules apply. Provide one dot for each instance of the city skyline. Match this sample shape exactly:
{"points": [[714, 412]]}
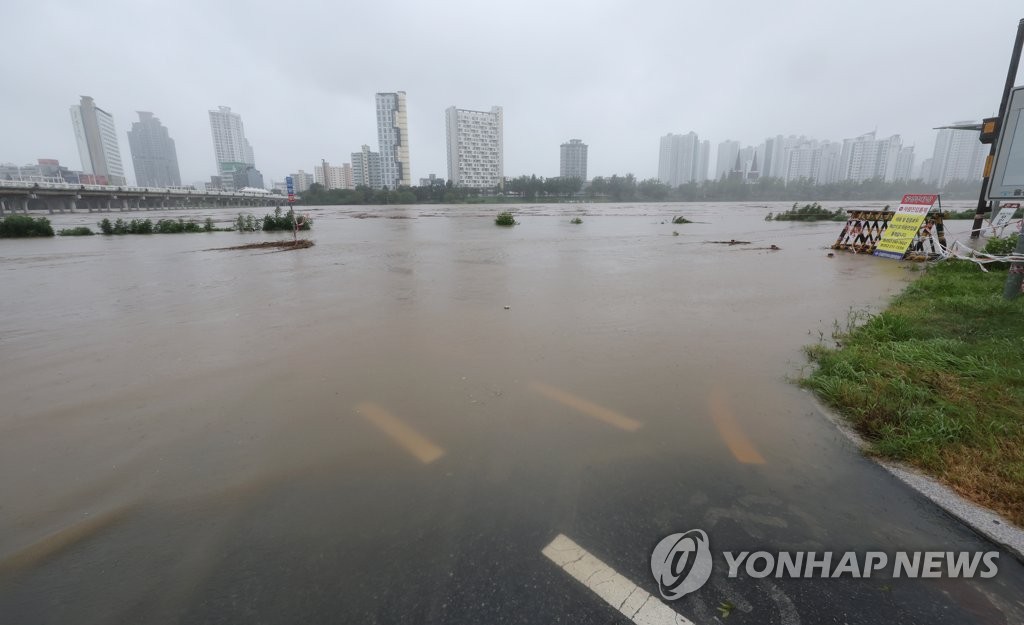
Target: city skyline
{"points": [[830, 82], [683, 158]]}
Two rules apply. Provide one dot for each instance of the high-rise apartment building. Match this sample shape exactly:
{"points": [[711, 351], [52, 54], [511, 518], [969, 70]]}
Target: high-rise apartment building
{"points": [[230, 147], [679, 159], [97, 143], [301, 181], [153, 154], [867, 157], [958, 155], [703, 161], [236, 164], [808, 160], [475, 147], [726, 158], [334, 177], [904, 164], [347, 177], [366, 169], [393, 139], [572, 161]]}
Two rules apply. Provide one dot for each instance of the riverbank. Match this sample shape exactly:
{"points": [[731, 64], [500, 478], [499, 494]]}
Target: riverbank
{"points": [[937, 381]]}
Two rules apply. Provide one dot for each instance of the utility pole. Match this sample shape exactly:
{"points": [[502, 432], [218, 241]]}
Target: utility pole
{"points": [[1011, 78]]}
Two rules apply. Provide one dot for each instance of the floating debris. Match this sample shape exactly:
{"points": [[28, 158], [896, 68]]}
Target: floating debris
{"points": [[729, 242], [281, 246]]}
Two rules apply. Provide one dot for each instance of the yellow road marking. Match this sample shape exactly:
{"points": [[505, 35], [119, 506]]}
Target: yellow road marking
{"points": [[739, 444], [62, 539], [588, 408], [406, 437]]}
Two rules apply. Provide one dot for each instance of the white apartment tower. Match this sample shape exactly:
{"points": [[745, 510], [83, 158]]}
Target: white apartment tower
{"points": [[958, 156], [866, 157], [726, 157], [393, 139], [679, 159], [230, 147], [366, 169], [572, 161], [97, 142], [333, 176], [904, 164], [475, 147]]}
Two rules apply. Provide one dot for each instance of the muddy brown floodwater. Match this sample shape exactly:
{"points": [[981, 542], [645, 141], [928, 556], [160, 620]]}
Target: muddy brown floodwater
{"points": [[380, 427]]}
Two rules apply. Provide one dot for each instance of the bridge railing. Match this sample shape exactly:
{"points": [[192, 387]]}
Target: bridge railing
{"points": [[57, 186]]}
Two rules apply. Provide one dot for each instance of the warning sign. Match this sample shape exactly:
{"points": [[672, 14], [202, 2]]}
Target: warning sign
{"points": [[1005, 216], [905, 226]]}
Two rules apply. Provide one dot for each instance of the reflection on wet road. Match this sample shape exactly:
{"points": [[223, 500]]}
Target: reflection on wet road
{"points": [[393, 425]]}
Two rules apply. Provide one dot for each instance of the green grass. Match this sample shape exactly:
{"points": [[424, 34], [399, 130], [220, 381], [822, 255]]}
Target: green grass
{"points": [[505, 219], [20, 226], [937, 381]]}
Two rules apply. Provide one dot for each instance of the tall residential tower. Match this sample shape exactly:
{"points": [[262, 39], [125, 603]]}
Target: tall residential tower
{"points": [[236, 165], [153, 154], [97, 143], [393, 139], [958, 155], [475, 147], [681, 158], [572, 162]]}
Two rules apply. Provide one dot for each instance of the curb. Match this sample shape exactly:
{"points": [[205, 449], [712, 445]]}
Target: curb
{"points": [[982, 521]]}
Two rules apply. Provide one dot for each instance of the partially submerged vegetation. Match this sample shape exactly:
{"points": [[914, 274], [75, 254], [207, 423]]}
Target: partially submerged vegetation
{"points": [[681, 220], [1001, 246], [286, 221], [808, 212], [80, 231], [576, 220], [162, 226], [22, 226], [505, 219], [937, 381]]}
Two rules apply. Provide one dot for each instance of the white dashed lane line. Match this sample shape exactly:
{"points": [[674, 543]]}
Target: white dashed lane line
{"points": [[633, 602]]}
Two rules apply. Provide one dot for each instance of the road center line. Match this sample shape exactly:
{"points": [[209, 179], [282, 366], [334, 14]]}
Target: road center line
{"points": [[729, 429], [409, 439], [65, 538], [633, 602], [588, 408]]}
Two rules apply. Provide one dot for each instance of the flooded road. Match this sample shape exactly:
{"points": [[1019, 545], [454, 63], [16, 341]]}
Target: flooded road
{"points": [[392, 425]]}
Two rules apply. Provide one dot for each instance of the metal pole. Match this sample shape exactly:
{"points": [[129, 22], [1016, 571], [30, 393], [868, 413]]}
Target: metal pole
{"points": [[1011, 78], [1011, 290]]}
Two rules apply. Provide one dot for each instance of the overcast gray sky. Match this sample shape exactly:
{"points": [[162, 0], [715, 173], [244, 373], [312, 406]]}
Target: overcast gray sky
{"points": [[618, 75]]}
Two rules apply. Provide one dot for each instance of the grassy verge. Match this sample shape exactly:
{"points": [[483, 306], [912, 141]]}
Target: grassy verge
{"points": [[937, 381]]}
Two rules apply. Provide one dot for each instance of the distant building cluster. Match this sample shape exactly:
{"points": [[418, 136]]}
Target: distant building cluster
{"points": [[475, 155], [388, 167], [958, 155]]}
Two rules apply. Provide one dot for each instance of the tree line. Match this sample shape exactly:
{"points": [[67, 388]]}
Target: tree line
{"points": [[628, 189]]}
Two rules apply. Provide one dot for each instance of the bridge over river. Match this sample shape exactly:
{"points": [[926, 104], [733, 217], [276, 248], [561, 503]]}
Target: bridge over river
{"points": [[53, 197]]}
